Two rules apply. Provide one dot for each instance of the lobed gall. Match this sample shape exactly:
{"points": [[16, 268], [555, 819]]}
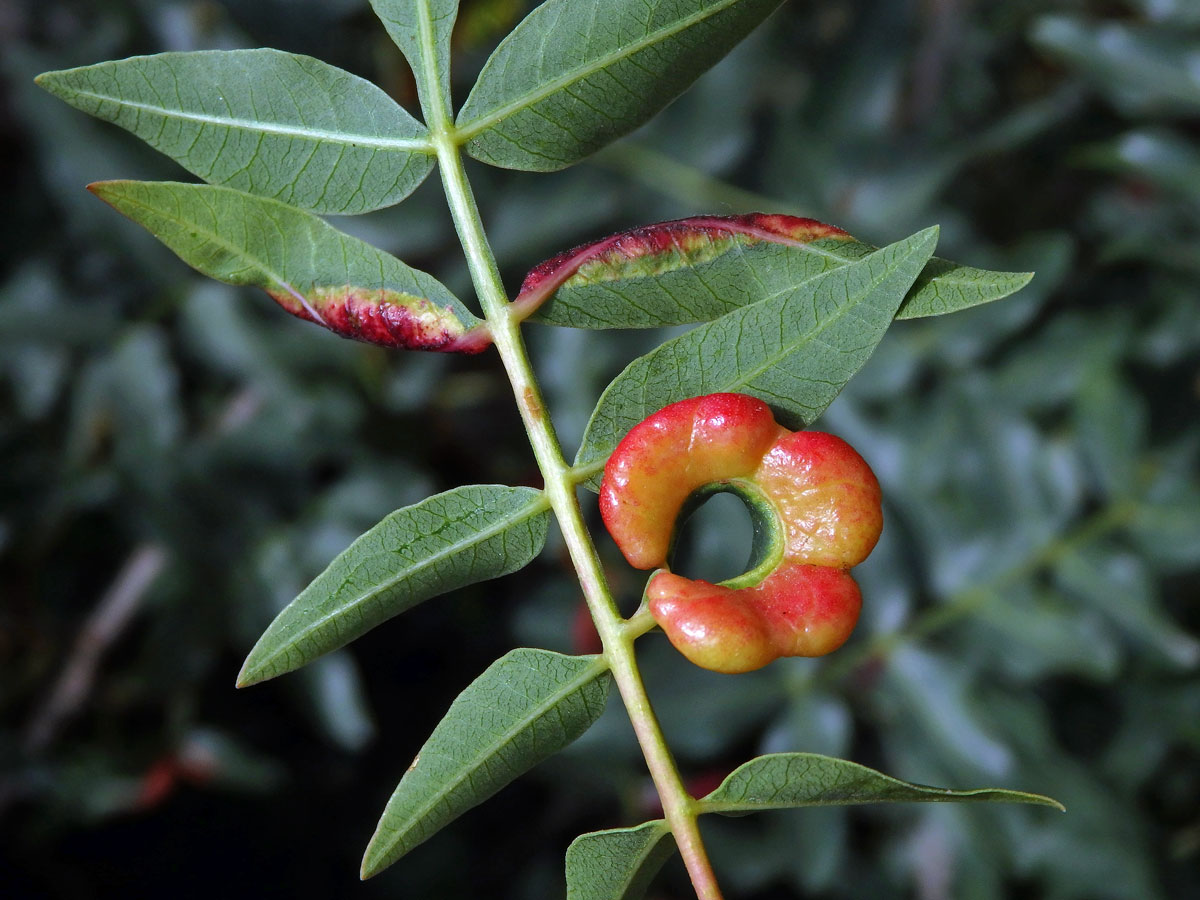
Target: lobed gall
{"points": [[818, 504]]}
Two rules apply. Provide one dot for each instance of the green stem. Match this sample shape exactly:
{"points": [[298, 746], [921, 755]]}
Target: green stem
{"points": [[617, 636]]}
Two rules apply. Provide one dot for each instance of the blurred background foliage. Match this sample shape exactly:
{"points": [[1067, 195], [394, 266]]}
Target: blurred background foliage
{"points": [[178, 458]]}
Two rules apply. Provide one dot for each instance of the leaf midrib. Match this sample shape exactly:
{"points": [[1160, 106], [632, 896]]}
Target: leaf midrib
{"points": [[469, 130], [928, 794], [320, 135], [536, 505], [808, 337], [213, 237], [460, 312], [576, 684], [948, 278]]}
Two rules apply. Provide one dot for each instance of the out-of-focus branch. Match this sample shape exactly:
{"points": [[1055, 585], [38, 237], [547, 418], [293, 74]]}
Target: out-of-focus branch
{"points": [[106, 623]]}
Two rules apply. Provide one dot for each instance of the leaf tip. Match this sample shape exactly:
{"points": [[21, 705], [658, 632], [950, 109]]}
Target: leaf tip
{"points": [[56, 82], [254, 671], [105, 190], [246, 679], [375, 859]]}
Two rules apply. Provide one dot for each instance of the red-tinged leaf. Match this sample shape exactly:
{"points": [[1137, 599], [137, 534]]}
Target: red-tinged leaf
{"points": [[384, 317], [661, 249], [308, 267], [698, 269]]}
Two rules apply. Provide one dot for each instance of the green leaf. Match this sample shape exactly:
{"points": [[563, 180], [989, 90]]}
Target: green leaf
{"points": [[790, 780], [617, 864], [274, 124], [308, 267], [445, 542], [578, 74], [945, 287], [697, 269], [1164, 157], [795, 351], [422, 29], [1118, 584], [1142, 68], [527, 706]]}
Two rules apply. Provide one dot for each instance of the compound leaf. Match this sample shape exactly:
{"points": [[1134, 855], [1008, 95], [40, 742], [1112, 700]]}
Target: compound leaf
{"points": [[308, 267], [447, 541], [617, 864], [578, 74], [795, 351], [274, 124], [789, 780], [527, 706]]}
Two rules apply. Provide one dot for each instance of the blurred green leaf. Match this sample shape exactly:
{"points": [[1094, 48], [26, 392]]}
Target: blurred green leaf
{"points": [[274, 124], [1163, 157], [308, 267], [1146, 68], [935, 696], [1165, 524], [1119, 585], [421, 28], [453, 539], [795, 352], [618, 864], [1032, 635], [578, 74], [1111, 422], [787, 780], [526, 707]]}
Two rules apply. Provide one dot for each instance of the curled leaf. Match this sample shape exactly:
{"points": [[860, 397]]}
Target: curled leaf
{"points": [[663, 249], [794, 352], [699, 269], [380, 316], [307, 266]]}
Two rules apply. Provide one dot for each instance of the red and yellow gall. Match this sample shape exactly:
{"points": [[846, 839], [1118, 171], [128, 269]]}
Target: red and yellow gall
{"points": [[823, 509]]}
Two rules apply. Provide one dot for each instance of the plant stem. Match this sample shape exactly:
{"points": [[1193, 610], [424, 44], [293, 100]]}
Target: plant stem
{"points": [[679, 808]]}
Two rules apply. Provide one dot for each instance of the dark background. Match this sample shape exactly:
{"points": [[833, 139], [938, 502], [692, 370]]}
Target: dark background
{"points": [[178, 458]]}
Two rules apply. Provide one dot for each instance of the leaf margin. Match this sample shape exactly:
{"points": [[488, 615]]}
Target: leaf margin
{"points": [[260, 666], [711, 803], [652, 857], [596, 669], [58, 82]]}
